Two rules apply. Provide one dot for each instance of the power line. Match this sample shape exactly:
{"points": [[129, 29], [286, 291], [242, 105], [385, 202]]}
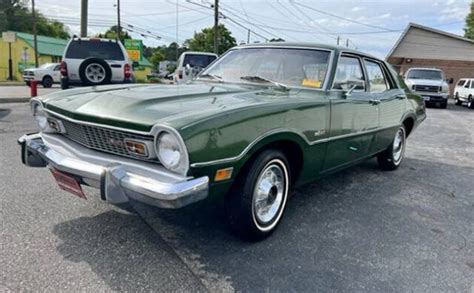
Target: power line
{"points": [[338, 17]]}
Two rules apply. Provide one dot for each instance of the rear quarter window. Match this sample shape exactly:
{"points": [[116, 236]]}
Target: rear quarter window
{"points": [[98, 49]]}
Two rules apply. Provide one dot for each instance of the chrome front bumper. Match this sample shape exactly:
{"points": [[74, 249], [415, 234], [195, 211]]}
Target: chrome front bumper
{"points": [[117, 178]]}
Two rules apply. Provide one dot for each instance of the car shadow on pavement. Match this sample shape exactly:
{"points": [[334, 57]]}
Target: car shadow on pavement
{"points": [[360, 229], [125, 253]]}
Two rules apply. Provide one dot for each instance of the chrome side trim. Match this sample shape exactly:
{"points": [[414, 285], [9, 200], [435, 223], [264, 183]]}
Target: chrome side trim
{"points": [[95, 124], [311, 143]]}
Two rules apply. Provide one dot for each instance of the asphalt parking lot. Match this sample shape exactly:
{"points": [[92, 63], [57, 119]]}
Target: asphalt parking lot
{"points": [[359, 230]]}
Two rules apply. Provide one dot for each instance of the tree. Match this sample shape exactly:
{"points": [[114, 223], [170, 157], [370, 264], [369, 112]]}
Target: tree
{"points": [[15, 16], [204, 40], [157, 57], [111, 33], [469, 29]]}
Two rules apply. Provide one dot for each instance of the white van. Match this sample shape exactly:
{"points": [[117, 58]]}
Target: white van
{"points": [[464, 92], [191, 63], [94, 61]]}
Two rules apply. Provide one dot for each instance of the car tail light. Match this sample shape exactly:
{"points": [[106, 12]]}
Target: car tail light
{"points": [[126, 71], [63, 68], [180, 74]]}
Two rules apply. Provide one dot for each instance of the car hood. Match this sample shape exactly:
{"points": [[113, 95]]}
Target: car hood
{"points": [[433, 82], [139, 107]]}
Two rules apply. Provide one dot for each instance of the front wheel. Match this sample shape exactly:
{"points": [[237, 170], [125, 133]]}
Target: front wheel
{"points": [[456, 100], [257, 202], [392, 157], [47, 82]]}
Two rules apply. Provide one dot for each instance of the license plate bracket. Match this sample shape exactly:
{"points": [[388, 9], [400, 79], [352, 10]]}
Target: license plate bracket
{"points": [[426, 98], [68, 183]]}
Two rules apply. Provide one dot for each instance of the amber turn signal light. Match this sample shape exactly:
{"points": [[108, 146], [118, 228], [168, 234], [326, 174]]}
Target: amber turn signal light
{"points": [[223, 174], [136, 148]]}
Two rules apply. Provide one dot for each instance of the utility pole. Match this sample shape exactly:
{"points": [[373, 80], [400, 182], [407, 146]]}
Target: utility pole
{"points": [[248, 37], [216, 24], [338, 39], [84, 4], [118, 21], [34, 32]]}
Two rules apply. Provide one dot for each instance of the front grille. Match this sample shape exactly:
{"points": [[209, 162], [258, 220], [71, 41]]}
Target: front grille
{"points": [[427, 88], [28, 73], [103, 139]]}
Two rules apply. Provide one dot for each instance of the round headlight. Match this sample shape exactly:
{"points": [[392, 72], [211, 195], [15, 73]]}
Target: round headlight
{"points": [[40, 116], [170, 152]]}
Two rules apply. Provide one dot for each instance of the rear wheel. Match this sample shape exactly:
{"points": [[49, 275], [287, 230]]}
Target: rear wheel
{"points": [[392, 157], [470, 102], [64, 83], [47, 82], [258, 200]]}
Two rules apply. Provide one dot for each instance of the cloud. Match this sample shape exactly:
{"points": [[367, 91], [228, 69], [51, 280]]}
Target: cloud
{"points": [[356, 8]]}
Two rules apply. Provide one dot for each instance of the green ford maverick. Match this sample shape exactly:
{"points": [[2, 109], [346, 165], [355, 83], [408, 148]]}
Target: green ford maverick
{"points": [[258, 121]]}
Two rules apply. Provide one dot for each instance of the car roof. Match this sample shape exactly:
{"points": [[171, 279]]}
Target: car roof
{"points": [[94, 39], [337, 49]]}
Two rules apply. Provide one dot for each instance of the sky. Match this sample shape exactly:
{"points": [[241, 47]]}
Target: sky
{"points": [[371, 26]]}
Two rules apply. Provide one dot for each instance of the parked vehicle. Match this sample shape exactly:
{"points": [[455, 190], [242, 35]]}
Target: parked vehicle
{"points": [[191, 64], [91, 61], [430, 83], [464, 92], [260, 120], [47, 74]]}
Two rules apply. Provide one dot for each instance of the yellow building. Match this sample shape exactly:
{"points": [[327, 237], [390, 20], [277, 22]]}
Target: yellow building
{"points": [[49, 50]]}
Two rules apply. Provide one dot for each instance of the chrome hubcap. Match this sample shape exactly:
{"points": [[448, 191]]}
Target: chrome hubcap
{"points": [[95, 72], [398, 146], [269, 193]]}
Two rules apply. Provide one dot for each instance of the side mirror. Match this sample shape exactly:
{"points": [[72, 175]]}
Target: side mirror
{"points": [[348, 93], [135, 64], [451, 80]]}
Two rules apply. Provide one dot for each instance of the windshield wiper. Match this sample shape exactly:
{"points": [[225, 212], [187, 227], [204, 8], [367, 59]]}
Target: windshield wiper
{"points": [[211, 76], [260, 79]]}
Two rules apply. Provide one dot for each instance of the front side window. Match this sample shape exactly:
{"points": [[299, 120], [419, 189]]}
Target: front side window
{"points": [[82, 49], [375, 76], [472, 84], [349, 74], [288, 66]]}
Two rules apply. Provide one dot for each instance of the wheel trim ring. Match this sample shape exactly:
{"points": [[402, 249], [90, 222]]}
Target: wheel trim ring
{"points": [[273, 222], [95, 72], [398, 155]]}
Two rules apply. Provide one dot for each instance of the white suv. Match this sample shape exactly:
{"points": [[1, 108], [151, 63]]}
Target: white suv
{"points": [[88, 61], [429, 83], [464, 92], [191, 63], [46, 74]]}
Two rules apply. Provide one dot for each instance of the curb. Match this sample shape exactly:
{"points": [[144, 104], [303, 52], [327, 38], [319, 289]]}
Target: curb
{"points": [[14, 100]]}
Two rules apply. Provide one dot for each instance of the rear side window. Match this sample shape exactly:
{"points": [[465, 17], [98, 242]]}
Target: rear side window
{"points": [[197, 60], [349, 73], [461, 82], [98, 49], [376, 77]]}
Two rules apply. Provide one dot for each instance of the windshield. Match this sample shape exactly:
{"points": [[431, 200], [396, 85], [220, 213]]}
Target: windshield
{"points": [[82, 49], [46, 65], [425, 74], [290, 67], [198, 60]]}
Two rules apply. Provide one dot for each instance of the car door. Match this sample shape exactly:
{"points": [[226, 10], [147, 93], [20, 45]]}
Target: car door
{"points": [[465, 89], [56, 73], [354, 115], [391, 101]]}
